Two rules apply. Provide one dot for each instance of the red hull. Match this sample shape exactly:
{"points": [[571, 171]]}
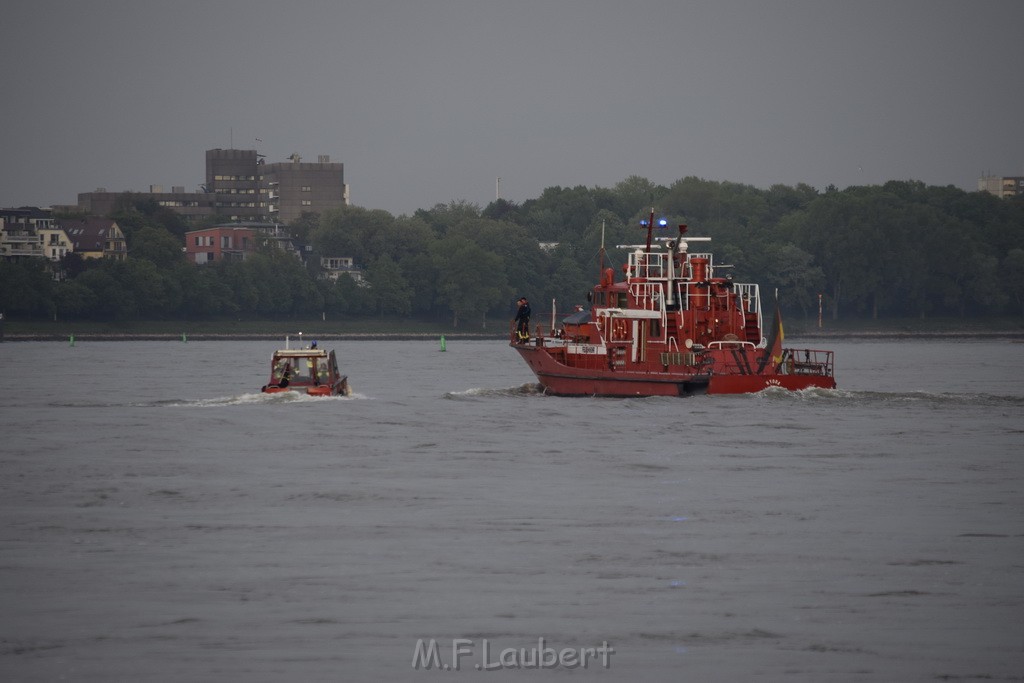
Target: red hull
{"points": [[560, 379], [340, 389]]}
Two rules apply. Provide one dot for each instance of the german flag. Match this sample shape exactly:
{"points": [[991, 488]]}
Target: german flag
{"points": [[776, 343], [774, 340]]}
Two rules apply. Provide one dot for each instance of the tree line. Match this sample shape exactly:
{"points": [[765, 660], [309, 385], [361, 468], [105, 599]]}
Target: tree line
{"points": [[897, 250]]}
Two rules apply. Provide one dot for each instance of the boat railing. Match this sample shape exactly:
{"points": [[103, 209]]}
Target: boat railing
{"points": [[750, 298], [649, 294], [649, 265], [683, 295], [808, 362], [730, 344]]}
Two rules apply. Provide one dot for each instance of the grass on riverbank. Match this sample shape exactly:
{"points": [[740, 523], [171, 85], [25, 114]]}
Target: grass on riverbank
{"points": [[794, 327], [895, 326], [346, 326]]}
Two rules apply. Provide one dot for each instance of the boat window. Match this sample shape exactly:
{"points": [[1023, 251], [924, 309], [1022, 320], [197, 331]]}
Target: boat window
{"points": [[623, 300], [655, 328]]}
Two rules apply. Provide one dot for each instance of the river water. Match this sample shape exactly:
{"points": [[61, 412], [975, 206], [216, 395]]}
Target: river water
{"points": [[163, 520]]}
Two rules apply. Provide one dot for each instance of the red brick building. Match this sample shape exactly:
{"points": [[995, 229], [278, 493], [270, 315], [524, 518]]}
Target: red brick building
{"points": [[219, 243]]}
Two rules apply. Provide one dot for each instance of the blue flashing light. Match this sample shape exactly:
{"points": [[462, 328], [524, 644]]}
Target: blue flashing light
{"points": [[662, 223]]}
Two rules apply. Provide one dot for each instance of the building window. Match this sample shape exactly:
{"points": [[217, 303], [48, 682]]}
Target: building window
{"points": [[306, 202], [307, 188]]}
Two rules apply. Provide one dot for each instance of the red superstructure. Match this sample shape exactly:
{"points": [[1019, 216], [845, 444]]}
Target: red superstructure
{"points": [[671, 328]]}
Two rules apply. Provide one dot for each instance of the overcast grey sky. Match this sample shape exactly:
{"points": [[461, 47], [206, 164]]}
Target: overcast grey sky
{"points": [[430, 101]]}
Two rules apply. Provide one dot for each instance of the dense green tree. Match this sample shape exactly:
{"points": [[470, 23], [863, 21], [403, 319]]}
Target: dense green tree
{"points": [[73, 300], [1013, 277], [353, 232], [792, 271], [388, 288], [560, 214], [304, 227], [637, 194], [113, 301], [158, 246], [25, 287], [471, 280]]}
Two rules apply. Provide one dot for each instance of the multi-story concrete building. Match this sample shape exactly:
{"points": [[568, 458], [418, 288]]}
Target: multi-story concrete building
{"points": [[240, 186], [189, 204], [1002, 186], [232, 177], [294, 187]]}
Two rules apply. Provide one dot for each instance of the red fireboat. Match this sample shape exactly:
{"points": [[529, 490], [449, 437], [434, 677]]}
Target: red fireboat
{"points": [[672, 327]]}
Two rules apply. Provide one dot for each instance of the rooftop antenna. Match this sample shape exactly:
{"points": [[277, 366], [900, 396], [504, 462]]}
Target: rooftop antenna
{"points": [[497, 189]]}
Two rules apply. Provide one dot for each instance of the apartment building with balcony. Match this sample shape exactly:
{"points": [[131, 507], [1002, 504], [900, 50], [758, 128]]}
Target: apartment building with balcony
{"points": [[19, 232], [1002, 186], [333, 267], [235, 242]]}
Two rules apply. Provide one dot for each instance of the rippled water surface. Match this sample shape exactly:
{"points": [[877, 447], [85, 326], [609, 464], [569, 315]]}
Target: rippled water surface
{"points": [[163, 520]]}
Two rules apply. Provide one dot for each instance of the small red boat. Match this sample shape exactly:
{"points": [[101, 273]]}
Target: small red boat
{"points": [[311, 371], [672, 327]]}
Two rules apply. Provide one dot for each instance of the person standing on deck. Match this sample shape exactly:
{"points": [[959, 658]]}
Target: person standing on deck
{"points": [[522, 320]]}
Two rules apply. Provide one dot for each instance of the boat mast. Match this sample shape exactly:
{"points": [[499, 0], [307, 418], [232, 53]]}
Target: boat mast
{"points": [[650, 230]]}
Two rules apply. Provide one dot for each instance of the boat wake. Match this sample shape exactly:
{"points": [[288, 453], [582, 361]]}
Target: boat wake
{"points": [[256, 398], [528, 389], [899, 397]]}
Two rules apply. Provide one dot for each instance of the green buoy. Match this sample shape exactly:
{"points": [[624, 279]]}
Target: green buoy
{"points": [[443, 346]]}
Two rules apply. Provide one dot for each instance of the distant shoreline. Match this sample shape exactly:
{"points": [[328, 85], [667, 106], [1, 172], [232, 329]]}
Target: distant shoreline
{"points": [[454, 336]]}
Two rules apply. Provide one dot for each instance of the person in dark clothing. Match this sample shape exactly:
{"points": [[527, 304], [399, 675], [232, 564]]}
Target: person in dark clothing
{"points": [[522, 320]]}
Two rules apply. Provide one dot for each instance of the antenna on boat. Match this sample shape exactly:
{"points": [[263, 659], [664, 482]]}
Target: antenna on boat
{"points": [[600, 253]]}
